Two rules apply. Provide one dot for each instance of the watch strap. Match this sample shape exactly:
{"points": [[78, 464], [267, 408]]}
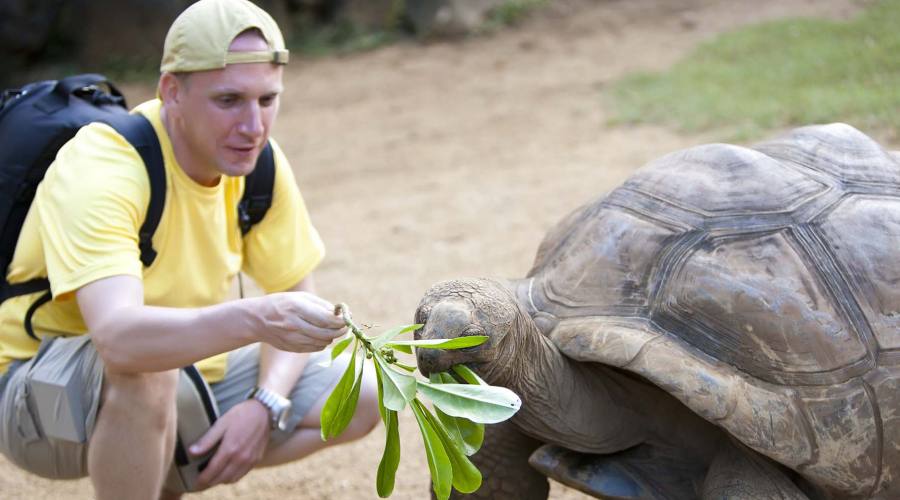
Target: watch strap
{"points": [[274, 402]]}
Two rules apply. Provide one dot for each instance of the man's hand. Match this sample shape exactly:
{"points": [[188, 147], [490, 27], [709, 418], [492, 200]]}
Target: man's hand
{"points": [[299, 322], [242, 434]]}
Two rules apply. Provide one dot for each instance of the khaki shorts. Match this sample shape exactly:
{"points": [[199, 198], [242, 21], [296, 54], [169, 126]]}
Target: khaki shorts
{"points": [[24, 443]]}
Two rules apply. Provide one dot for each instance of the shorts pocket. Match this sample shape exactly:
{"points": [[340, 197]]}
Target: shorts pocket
{"points": [[25, 424]]}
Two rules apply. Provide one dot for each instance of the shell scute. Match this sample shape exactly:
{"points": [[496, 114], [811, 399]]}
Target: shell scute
{"points": [[721, 179], [863, 232]]}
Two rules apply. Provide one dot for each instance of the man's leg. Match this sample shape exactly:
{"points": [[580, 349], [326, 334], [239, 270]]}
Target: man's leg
{"points": [[62, 362], [134, 438], [129, 421]]}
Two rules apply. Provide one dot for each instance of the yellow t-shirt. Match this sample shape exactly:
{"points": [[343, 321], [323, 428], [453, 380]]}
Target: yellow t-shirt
{"points": [[83, 226]]}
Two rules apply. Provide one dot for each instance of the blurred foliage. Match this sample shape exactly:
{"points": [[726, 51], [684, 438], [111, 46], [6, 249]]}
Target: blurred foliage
{"points": [[47, 39], [777, 74], [125, 43], [341, 37], [512, 12]]}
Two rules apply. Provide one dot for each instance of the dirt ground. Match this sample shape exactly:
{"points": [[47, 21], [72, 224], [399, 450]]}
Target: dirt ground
{"points": [[421, 163]]}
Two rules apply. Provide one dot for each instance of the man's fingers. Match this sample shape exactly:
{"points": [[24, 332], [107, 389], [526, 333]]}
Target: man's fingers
{"points": [[238, 474], [320, 312], [324, 304], [317, 333], [324, 319], [212, 471], [228, 469], [228, 474], [208, 440]]}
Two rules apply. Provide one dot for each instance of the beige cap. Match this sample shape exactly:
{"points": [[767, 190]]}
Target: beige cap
{"points": [[198, 40]]}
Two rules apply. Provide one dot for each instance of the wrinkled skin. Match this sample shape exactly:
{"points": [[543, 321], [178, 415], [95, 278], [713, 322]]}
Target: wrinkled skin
{"points": [[464, 308]]}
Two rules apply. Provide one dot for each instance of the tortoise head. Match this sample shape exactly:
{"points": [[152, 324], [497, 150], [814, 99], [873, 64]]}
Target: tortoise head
{"points": [[459, 308]]}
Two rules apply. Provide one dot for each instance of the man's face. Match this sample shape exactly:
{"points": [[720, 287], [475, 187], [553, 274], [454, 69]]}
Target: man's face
{"points": [[222, 118]]}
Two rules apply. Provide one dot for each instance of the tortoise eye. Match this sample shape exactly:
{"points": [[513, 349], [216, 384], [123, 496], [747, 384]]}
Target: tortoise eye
{"points": [[422, 314], [472, 330]]}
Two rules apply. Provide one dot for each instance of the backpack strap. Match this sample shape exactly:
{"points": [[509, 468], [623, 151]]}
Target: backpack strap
{"points": [[138, 131], [43, 299], [258, 188]]}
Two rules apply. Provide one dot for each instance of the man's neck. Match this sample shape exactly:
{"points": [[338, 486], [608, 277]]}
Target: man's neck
{"points": [[183, 156]]}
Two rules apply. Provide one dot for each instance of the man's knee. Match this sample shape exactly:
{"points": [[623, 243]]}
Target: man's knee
{"points": [[153, 393]]}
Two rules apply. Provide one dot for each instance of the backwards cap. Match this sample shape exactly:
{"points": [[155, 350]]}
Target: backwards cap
{"points": [[198, 40]]}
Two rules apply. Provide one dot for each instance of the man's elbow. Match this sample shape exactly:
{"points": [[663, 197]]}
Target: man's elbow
{"points": [[116, 357]]}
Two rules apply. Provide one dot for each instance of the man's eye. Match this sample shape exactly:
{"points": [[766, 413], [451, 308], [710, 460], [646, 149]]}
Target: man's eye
{"points": [[267, 101], [226, 100]]}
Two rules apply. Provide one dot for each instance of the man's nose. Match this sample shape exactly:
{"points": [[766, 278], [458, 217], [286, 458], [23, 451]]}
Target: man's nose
{"points": [[251, 123]]}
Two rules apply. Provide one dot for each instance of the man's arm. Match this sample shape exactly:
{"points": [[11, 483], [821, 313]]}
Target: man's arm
{"points": [[243, 432], [133, 338]]}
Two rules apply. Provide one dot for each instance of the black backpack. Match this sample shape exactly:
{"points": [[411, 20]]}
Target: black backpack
{"points": [[36, 120]]}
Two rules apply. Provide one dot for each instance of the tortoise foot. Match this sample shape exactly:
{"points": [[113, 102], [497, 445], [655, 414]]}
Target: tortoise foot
{"points": [[643, 472]]}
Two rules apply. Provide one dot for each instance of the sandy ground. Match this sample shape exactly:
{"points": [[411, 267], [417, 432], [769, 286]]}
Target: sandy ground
{"points": [[423, 163]]}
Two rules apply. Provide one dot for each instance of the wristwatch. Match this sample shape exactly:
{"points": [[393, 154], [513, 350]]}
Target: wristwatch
{"points": [[279, 406]]}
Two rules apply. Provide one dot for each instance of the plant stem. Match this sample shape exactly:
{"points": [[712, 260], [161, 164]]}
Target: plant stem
{"points": [[343, 311]]}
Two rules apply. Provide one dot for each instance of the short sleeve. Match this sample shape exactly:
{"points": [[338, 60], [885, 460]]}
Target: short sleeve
{"points": [[90, 205], [284, 247]]}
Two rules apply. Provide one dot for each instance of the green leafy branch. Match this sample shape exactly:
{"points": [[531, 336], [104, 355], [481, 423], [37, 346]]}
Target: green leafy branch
{"points": [[462, 402]]}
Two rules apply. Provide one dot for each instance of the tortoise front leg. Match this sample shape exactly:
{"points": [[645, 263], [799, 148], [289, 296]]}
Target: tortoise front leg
{"points": [[741, 474], [503, 462]]}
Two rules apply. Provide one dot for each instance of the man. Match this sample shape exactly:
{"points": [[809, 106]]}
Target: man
{"points": [[218, 96]]}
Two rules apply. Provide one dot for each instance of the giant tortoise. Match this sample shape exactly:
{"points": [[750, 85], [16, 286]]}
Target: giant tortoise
{"points": [[725, 324]]}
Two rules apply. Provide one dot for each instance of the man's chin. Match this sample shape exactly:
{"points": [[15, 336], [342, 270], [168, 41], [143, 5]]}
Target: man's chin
{"points": [[239, 168]]}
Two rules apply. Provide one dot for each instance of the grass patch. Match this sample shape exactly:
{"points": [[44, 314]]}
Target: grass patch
{"points": [[777, 74]]}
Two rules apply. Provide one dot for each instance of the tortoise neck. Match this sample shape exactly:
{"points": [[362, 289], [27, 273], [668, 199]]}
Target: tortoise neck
{"points": [[523, 360], [534, 368]]}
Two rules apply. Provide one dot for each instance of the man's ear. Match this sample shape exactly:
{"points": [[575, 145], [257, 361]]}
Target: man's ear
{"points": [[169, 88]]}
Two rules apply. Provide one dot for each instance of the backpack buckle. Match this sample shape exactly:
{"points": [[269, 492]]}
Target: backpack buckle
{"points": [[8, 95], [97, 96]]}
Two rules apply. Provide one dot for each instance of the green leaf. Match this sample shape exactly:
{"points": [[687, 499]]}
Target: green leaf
{"points": [[339, 347], [468, 375], [381, 410], [457, 343], [393, 332], [348, 408], [399, 388], [387, 468], [485, 404], [403, 348], [466, 477], [467, 435], [471, 433], [331, 412], [438, 462], [405, 367]]}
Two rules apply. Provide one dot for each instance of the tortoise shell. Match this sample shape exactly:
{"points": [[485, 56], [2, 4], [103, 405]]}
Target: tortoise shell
{"points": [[760, 286]]}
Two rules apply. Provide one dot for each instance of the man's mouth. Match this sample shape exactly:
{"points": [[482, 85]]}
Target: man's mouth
{"points": [[243, 149]]}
